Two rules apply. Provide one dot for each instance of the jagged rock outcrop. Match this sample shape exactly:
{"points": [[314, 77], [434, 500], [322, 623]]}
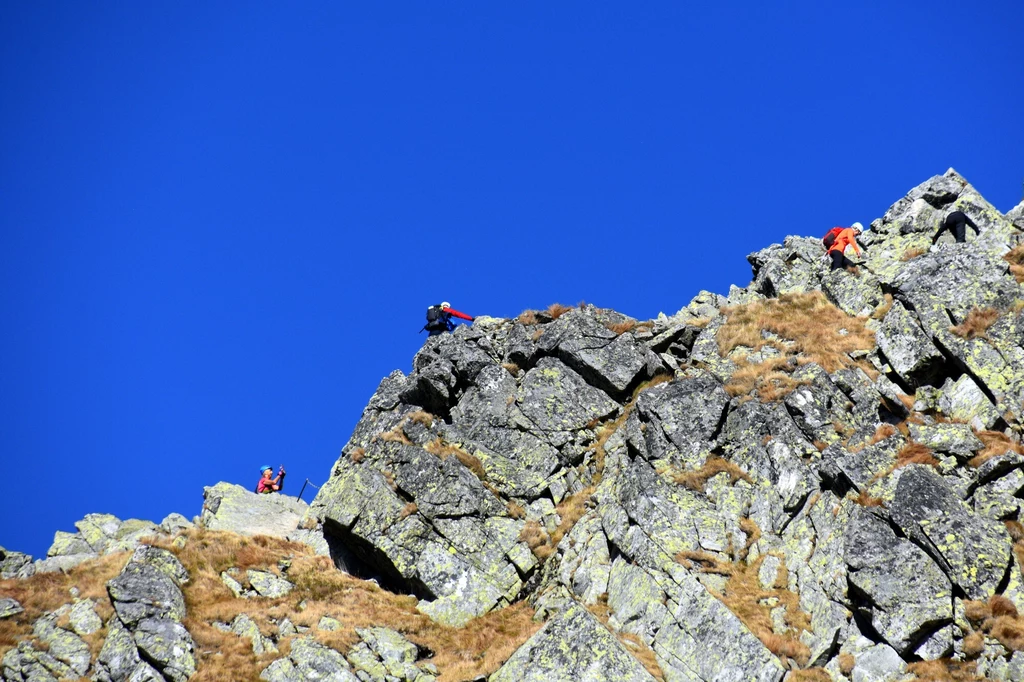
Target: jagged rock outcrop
{"points": [[821, 471]]}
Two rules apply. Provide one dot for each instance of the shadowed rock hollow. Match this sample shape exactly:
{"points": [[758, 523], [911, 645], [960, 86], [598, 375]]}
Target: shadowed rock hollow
{"points": [[816, 477]]}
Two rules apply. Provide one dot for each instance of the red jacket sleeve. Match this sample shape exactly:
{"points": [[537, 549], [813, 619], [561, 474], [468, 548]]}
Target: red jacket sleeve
{"points": [[456, 313]]}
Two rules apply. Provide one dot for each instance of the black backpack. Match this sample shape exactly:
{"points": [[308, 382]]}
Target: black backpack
{"points": [[437, 318]]}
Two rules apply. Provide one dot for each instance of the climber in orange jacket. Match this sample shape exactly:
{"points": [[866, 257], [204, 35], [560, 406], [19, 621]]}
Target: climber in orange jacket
{"points": [[837, 249]]}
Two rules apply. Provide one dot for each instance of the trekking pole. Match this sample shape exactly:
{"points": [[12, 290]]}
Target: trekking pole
{"points": [[308, 482]]}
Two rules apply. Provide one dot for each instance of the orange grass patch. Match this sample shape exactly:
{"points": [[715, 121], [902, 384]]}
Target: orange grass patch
{"points": [[944, 670], [1016, 260], [809, 327], [996, 444], [744, 596], [696, 480], [976, 324]]}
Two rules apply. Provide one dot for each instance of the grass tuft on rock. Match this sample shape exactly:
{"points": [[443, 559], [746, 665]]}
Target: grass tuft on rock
{"points": [[803, 328], [1016, 260], [976, 324]]}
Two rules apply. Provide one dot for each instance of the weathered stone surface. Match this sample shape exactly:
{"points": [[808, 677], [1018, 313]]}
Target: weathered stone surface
{"points": [[593, 656], [12, 562], [63, 645], [309, 660], [608, 361], [119, 658], [554, 398], [168, 646], [973, 551], [9, 607], [244, 626], [231, 507], [267, 584], [396, 653], [24, 662], [955, 439], [681, 416], [142, 591], [906, 594], [909, 350], [84, 620]]}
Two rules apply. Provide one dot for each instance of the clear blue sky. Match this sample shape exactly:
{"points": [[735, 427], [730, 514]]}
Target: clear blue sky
{"points": [[220, 223]]}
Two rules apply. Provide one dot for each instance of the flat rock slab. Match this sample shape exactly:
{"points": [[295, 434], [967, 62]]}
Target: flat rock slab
{"points": [[233, 508], [972, 550], [9, 607], [309, 660], [572, 647], [267, 584], [908, 593]]}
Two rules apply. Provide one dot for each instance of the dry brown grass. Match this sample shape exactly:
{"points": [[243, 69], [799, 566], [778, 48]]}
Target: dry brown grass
{"points": [[633, 644], [409, 509], [696, 480], [882, 431], [915, 453], [45, 592], [511, 367], [477, 649], [846, 663], [771, 380], [460, 653], [974, 644], [556, 310], [537, 539], [911, 254], [622, 327], [515, 510], [996, 443], [882, 308], [445, 450], [810, 329], [809, 675], [421, 417], [528, 317], [745, 598], [997, 618], [866, 500], [395, 435], [1016, 260], [357, 455], [976, 324], [944, 670]]}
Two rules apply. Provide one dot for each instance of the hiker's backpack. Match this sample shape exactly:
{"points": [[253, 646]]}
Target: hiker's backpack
{"points": [[830, 237], [436, 317]]}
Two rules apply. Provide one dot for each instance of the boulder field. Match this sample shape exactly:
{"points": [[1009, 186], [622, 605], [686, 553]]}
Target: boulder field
{"points": [[816, 477]]}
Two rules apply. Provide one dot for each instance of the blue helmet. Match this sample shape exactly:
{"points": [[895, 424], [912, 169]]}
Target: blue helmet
{"points": [[265, 467]]}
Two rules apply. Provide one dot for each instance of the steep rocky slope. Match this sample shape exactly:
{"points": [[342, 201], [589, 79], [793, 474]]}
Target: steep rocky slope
{"points": [[816, 477]]}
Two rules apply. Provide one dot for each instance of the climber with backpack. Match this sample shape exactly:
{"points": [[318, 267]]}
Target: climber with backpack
{"points": [[268, 484], [439, 318], [956, 222], [836, 241]]}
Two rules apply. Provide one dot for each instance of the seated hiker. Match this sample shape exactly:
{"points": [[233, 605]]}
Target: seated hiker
{"points": [[268, 484], [439, 318], [846, 236], [956, 222]]}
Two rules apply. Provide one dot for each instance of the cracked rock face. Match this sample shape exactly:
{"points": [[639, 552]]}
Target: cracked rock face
{"points": [[535, 459], [621, 478]]}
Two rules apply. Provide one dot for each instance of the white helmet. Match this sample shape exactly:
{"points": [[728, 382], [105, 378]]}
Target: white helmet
{"points": [[858, 227], [446, 304]]}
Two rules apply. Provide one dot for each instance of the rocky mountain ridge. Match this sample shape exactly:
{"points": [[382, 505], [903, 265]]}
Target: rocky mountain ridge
{"points": [[816, 477]]}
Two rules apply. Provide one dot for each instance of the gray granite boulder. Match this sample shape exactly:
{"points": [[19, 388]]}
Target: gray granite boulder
{"points": [[233, 508], [595, 655], [309, 660], [905, 594], [972, 550]]}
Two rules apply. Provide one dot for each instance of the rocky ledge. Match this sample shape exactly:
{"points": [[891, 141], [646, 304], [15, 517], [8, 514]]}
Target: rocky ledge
{"points": [[816, 477]]}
